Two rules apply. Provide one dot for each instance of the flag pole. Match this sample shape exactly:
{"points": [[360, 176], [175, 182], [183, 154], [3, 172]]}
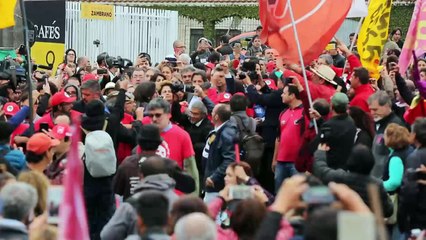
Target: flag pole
{"points": [[302, 64], [358, 28], [28, 65]]}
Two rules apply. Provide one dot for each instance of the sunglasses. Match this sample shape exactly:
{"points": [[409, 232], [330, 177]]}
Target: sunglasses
{"points": [[156, 115]]}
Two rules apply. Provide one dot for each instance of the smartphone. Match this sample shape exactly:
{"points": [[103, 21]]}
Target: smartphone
{"points": [[331, 46], [54, 199], [288, 81], [240, 192], [101, 71], [44, 126], [319, 195]]}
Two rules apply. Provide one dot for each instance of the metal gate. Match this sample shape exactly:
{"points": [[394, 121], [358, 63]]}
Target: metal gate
{"points": [[132, 30]]}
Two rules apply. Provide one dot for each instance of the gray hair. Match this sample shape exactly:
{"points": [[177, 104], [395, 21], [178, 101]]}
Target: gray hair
{"points": [[328, 59], [200, 106], [91, 85], [185, 59], [188, 69], [19, 200], [381, 97], [195, 226], [158, 103], [154, 69]]}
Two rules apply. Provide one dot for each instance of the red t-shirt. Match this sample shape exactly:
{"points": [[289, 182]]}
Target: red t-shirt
{"points": [[362, 93], [177, 143], [290, 137], [124, 149]]}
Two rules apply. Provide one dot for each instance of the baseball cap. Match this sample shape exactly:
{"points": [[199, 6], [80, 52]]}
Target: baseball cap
{"points": [[10, 109], [224, 98], [39, 143], [61, 97], [89, 76], [60, 131], [339, 99]]}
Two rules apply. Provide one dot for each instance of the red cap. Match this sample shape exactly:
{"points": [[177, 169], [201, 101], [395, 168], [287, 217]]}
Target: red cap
{"points": [[271, 84], [10, 109], [210, 65], [60, 131], [224, 97], [39, 143], [89, 76], [61, 97]]}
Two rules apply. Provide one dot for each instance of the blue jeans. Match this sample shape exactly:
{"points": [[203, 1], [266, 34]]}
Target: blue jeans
{"points": [[283, 170]]}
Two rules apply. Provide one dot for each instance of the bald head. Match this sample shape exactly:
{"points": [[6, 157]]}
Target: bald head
{"points": [[195, 226]]}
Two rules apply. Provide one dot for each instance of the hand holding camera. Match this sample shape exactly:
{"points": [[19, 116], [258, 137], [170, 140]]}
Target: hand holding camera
{"points": [[289, 195]]}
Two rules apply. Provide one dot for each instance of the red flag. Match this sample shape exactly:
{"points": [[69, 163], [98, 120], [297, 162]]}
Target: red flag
{"points": [[72, 212], [317, 22]]}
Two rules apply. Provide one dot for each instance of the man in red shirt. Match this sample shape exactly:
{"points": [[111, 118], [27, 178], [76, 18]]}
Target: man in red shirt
{"points": [[177, 143], [287, 145], [61, 104], [360, 82]]}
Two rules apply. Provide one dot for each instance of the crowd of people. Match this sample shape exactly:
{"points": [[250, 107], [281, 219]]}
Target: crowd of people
{"points": [[222, 143]]}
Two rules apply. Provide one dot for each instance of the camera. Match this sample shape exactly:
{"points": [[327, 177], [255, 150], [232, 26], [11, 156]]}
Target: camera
{"points": [[12, 71], [249, 69], [318, 195], [182, 88], [119, 62]]}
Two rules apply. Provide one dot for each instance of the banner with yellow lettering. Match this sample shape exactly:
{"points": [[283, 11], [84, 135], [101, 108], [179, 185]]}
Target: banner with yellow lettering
{"points": [[97, 11], [48, 21], [374, 34]]}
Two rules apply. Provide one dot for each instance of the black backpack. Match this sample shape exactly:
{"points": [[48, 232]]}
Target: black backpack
{"points": [[251, 145]]}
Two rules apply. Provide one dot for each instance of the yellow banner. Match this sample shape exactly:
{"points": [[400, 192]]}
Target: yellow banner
{"points": [[374, 34], [7, 13], [46, 53], [97, 11]]}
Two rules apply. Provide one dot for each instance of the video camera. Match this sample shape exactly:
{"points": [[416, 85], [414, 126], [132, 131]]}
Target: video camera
{"points": [[182, 88], [12, 71], [249, 69], [119, 62]]}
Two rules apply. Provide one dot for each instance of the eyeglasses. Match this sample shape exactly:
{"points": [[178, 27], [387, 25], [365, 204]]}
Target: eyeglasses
{"points": [[71, 92], [181, 47], [156, 115]]}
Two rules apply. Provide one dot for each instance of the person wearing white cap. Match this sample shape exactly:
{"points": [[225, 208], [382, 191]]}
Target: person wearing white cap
{"points": [[203, 51]]}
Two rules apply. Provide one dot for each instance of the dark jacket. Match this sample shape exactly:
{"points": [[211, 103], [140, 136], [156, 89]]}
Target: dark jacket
{"points": [[273, 104], [12, 229], [380, 151], [357, 182], [340, 131], [198, 136], [225, 49], [221, 153], [412, 196], [153, 233], [114, 128]]}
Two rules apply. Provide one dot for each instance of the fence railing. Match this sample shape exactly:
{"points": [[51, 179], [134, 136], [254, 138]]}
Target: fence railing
{"points": [[133, 30]]}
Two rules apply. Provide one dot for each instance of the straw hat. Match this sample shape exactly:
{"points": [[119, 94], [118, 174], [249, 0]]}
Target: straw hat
{"points": [[325, 72]]}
